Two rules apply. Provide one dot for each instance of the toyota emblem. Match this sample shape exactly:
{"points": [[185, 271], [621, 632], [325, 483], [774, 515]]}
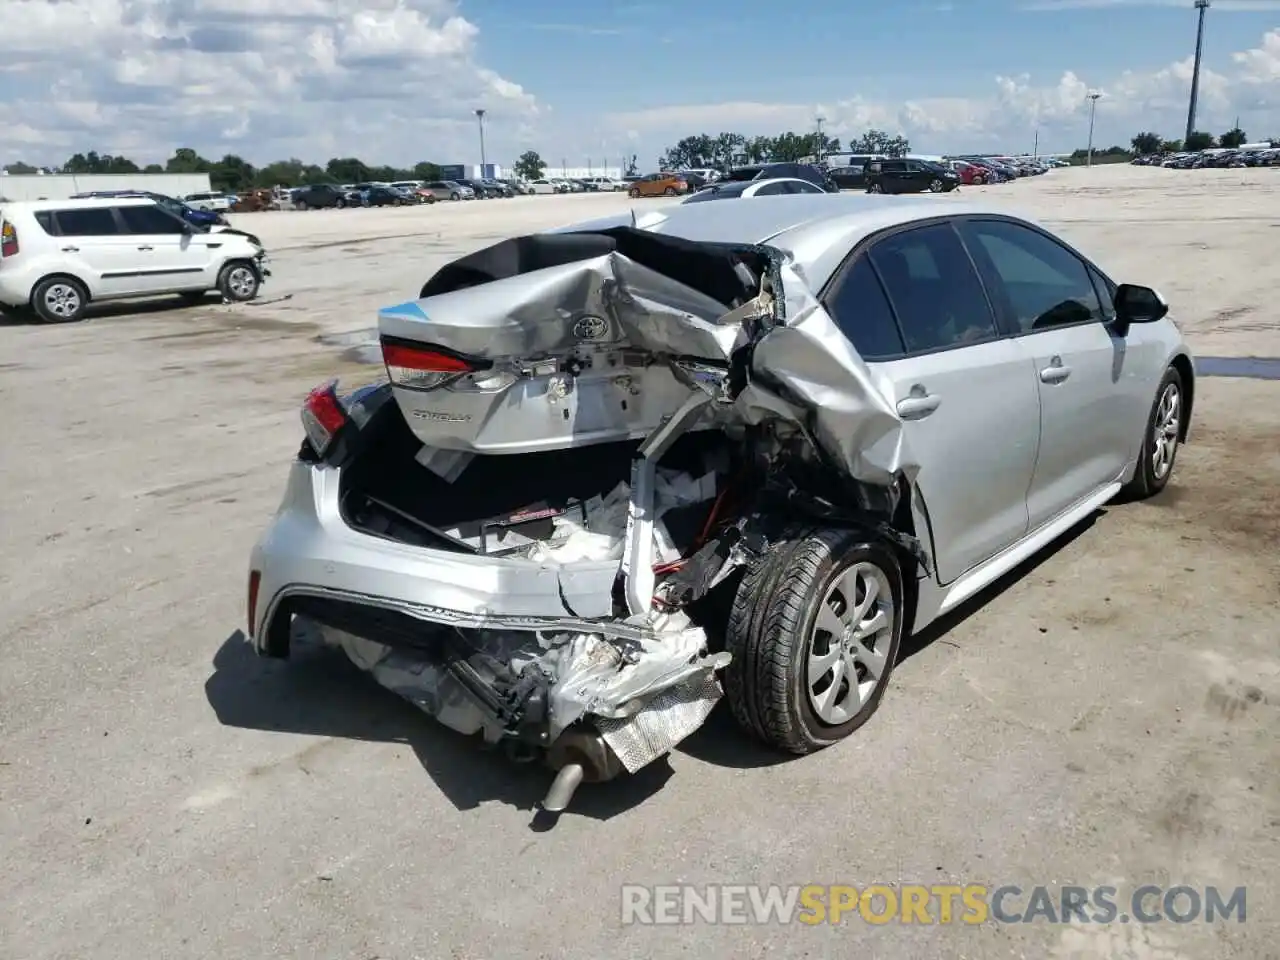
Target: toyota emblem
{"points": [[590, 328]]}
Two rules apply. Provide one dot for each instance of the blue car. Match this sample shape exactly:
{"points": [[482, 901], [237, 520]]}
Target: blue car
{"points": [[197, 218]]}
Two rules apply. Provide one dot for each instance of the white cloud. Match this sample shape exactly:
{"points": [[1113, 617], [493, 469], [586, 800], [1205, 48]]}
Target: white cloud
{"points": [[393, 81], [1014, 108]]}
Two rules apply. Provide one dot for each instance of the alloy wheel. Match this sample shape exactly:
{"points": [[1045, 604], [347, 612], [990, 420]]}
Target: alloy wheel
{"points": [[1164, 431], [850, 643]]}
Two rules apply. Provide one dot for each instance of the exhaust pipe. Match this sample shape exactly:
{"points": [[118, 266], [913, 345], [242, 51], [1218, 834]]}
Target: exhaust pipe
{"points": [[579, 755]]}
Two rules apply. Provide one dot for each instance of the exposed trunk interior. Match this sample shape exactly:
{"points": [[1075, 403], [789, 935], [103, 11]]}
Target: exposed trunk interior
{"points": [[499, 503]]}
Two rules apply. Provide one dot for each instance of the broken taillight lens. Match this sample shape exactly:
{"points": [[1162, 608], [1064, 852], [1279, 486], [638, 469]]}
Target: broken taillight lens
{"points": [[420, 367], [323, 416], [8, 240]]}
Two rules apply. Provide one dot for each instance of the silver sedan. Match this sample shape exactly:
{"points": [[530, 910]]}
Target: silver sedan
{"points": [[723, 449]]}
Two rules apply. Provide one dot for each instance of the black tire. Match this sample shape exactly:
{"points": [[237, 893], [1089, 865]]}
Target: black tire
{"points": [[633, 193], [935, 186], [455, 196], [669, 192], [60, 299], [340, 203], [299, 204], [772, 630], [238, 281], [874, 188], [1147, 479]]}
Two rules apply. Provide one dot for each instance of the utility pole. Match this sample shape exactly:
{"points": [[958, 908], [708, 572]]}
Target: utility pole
{"points": [[480, 120], [1201, 7], [821, 143], [1093, 105], [1035, 146]]}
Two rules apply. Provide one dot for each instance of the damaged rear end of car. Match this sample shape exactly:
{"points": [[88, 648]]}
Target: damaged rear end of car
{"points": [[548, 526]]}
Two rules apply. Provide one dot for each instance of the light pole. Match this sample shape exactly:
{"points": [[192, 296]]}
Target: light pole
{"points": [[480, 120], [1201, 6], [1093, 105], [820, 119]]}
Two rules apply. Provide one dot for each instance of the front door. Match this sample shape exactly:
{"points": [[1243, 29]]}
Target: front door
{"points": [[916, 311], [1088, 390], [171, 256]]}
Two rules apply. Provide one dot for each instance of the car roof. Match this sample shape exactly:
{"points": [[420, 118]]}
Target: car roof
{"points": [[82, 203], [817, 230]]}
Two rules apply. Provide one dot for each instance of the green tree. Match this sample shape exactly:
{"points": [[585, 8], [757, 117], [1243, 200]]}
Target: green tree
{"points": [[530, 166], [632, 168], [1198, 140], [153, 168], [426, 170], [877, 141], [186, 160], [1145, 143], [232, 174], [20, 169], [347, 170], [1171, 146], [1233, 138]]}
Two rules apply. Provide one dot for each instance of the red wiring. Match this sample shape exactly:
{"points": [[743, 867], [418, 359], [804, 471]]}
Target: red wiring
{"points": [[707, 526]]}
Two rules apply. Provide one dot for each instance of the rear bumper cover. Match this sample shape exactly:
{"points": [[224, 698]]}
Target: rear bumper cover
{"points": [[308, 550]]}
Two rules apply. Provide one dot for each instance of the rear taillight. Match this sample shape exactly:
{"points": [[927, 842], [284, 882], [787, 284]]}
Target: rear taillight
{"points": [[421, 367], [8, 240], [255, 581], [323, 416]]}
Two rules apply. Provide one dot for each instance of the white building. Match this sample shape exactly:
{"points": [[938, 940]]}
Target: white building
{"points": [[60, 186]]}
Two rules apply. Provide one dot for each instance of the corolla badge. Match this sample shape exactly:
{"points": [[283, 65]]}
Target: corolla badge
{"points": [[590, 328]]}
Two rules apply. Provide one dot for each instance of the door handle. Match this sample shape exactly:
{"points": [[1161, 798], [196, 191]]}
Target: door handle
{"points": [[1055, 372], [70, 249], [918, 406], [145, 247]]}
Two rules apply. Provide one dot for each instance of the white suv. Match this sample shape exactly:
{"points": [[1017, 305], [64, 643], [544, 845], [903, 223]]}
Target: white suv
{"points": [[58, 255], [213, 202]]}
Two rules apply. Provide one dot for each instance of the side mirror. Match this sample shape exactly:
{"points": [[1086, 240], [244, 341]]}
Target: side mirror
{"points": [[1136, 304]]}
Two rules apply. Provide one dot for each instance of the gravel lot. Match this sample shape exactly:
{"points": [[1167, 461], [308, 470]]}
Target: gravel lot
{"points": [[1108, 716]]}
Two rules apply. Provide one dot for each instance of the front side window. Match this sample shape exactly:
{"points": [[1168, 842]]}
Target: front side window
{"points": [[804, 186], [149, 220], [935, 292], [1044, 284], [87, 222]]}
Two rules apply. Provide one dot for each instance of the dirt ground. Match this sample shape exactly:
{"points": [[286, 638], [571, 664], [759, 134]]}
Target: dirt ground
{"points": [[1106, 716]]}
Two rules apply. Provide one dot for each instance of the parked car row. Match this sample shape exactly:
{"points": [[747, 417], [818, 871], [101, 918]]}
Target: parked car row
{"points": [[1220, 157]]}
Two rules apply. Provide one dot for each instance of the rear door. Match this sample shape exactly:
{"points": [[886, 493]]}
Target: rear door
{"points": [[170, 255], [1092, 403], [98, 251], [915, 309]]}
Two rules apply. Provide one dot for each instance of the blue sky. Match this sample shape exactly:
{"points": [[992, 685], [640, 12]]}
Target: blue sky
{"points": [[397, 81]]}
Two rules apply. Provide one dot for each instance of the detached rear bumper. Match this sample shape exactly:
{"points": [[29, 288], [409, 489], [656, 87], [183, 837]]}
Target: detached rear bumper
{"points": [[309, 551]]}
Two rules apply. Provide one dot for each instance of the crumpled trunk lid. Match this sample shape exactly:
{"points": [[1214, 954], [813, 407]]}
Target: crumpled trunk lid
{"points": [[562, 340]]}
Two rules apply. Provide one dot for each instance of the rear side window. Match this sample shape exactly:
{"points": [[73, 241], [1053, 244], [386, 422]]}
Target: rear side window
{"points": [[86, 222], [149, 220], [861, 311], [1044, 283], [934, 289], [45, 219], [773, 189]]}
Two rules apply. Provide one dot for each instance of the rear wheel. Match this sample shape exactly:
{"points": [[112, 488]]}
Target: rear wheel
{"points": [[935, 186], [814, 633], [874, 188], [60, 300], [299, 204], [454, 196], [238, 281], [340, 203], [1160, 439], [633, 193], [670, 191]]}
